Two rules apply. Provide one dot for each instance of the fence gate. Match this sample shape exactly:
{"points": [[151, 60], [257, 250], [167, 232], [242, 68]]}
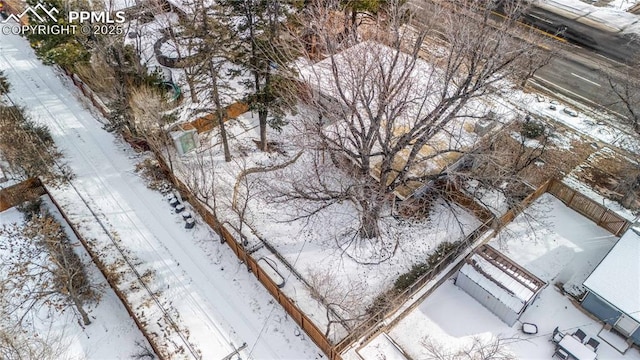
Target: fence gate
{"points": [[614, 223]]}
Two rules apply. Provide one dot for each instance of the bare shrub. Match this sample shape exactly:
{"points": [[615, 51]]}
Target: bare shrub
{"points": [[43, 269], [478, 349], [99, 76]]}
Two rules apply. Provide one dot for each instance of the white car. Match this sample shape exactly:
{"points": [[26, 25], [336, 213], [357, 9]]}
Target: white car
{"points": [[570, 112]]}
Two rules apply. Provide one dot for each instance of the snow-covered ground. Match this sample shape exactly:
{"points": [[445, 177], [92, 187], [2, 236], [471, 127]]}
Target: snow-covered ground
{"points": [[209, 295], [318, 247], [559, 246], [452, 318], [143, 37], [154, 235], [314, 246], [592, 123], [555, 243], [112, 333]]}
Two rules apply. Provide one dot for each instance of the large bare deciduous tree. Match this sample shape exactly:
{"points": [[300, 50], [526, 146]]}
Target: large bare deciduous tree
{"points": [[393, 120]]}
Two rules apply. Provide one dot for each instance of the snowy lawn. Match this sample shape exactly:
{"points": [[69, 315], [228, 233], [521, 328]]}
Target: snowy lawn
{"points": [[316, 247], [319, 247], [112, 333], [561, 247], [555, 243]]}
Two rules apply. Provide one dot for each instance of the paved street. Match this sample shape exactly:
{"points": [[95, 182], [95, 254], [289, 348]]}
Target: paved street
{"points": [[579, 77], [575, 71]]}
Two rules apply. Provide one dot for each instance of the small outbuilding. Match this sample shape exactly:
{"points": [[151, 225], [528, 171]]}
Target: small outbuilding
{"points": [[613, 288], [498, 283]]}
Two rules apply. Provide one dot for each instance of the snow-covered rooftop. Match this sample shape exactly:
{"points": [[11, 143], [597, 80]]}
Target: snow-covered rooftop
{"points": [[364, 69], [513, 288], [617, 278], [559, 246]]}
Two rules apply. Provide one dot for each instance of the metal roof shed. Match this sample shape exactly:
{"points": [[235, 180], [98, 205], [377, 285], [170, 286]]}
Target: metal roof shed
{"points": [[498, 283]]}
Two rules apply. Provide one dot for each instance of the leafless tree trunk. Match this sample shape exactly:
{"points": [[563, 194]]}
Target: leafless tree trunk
{"points": [[43, 268], [199, 176], [212, 42], [220, 113], [625, 88], [394, 116]]}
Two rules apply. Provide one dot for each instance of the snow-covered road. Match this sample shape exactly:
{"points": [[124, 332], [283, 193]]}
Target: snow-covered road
{"points": [[218, 302]]}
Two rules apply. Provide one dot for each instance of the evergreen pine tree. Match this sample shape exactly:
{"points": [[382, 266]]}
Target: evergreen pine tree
{"points": [[62, 48], [256, 25]]}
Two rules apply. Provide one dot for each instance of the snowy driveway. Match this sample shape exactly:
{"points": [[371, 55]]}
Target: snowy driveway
{"points": [[220, 304]]}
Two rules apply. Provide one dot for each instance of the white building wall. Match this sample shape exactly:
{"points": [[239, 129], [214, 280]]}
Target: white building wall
{"points": [[486, 299]]}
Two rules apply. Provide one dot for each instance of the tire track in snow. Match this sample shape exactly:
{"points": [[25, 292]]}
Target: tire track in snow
{"points": [[124, 212], [100, 185]]}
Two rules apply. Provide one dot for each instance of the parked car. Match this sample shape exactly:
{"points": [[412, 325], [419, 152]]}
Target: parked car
{"points": [[570, 112]]}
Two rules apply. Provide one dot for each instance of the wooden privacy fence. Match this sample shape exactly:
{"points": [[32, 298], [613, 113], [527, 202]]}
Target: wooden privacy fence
{"points": [[511, 214], [210, 121], [589, 208], [29, 189], [312, 331], [372, 327], [598, 213], [88, 93], [289, 306], [316, 335], [467, 202]]}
